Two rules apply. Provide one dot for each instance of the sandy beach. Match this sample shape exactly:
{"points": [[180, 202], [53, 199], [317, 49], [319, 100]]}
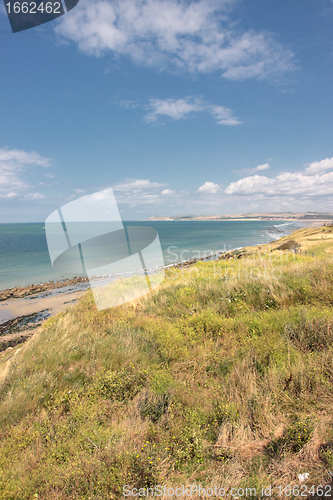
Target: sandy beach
{"points": [[22, 309]]}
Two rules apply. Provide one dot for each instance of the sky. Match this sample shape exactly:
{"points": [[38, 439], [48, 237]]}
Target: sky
{"points": [[182, 107]]}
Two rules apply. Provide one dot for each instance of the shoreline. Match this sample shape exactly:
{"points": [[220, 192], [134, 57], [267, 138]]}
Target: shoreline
{"points": [[19, 292], [23, 309], [37, 288], [20, 315]]}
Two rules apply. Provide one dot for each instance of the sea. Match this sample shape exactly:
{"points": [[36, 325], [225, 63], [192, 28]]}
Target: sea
{"points": [[25, 260]]}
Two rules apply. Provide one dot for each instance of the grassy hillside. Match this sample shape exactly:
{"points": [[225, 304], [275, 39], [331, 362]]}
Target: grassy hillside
{"points": [[222, 377]]}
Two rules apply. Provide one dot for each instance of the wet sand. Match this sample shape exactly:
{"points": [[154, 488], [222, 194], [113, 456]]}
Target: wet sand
{"points": [[23, 309]]}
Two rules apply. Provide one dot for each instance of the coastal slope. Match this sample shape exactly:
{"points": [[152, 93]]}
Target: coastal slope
{"points": [[221, 377]]}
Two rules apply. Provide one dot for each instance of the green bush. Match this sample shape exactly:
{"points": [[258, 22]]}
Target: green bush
{"points": [[120, 385]]}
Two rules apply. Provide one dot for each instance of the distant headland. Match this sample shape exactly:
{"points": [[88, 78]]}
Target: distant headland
{"points": [[273, 216]]}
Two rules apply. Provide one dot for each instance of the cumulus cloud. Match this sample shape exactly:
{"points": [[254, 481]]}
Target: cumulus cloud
{"points": [[258, 168], [19, 157], [314, 181], [223, 115], [173, 108], [265, 166], [319, 166], [13, 164], [168, 192], [197, 37], [178, 109], [209, 188]]}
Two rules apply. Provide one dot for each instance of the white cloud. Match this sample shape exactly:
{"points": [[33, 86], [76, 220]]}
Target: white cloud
{"points": [[13, 164], [136, 185], [319, 166], [209, 188], [19, 157], [34, 196], [223, 115], [128, 103], [168, 192], [174, 108], [197, 36], [9, 195], [258, 168], [265, 166], [309, 183], [143, 192], [136, 192], [181, 108]]}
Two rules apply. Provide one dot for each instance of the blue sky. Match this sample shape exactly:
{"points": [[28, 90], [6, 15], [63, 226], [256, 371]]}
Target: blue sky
{"points": [[193, 107]]}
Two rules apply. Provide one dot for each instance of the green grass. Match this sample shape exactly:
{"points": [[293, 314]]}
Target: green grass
{"points": [[223, 376]]}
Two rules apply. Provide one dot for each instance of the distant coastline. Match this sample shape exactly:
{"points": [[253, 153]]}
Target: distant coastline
{"points": [[320, 217]]}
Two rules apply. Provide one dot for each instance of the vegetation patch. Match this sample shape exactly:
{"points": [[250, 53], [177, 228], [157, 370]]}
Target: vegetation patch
{"points": [[222, 376]]}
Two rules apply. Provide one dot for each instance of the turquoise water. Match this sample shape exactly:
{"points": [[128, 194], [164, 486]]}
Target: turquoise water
{"points": [[24, 257]]}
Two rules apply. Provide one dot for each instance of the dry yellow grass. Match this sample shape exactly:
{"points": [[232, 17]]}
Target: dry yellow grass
{"points": [[218, 378]]}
